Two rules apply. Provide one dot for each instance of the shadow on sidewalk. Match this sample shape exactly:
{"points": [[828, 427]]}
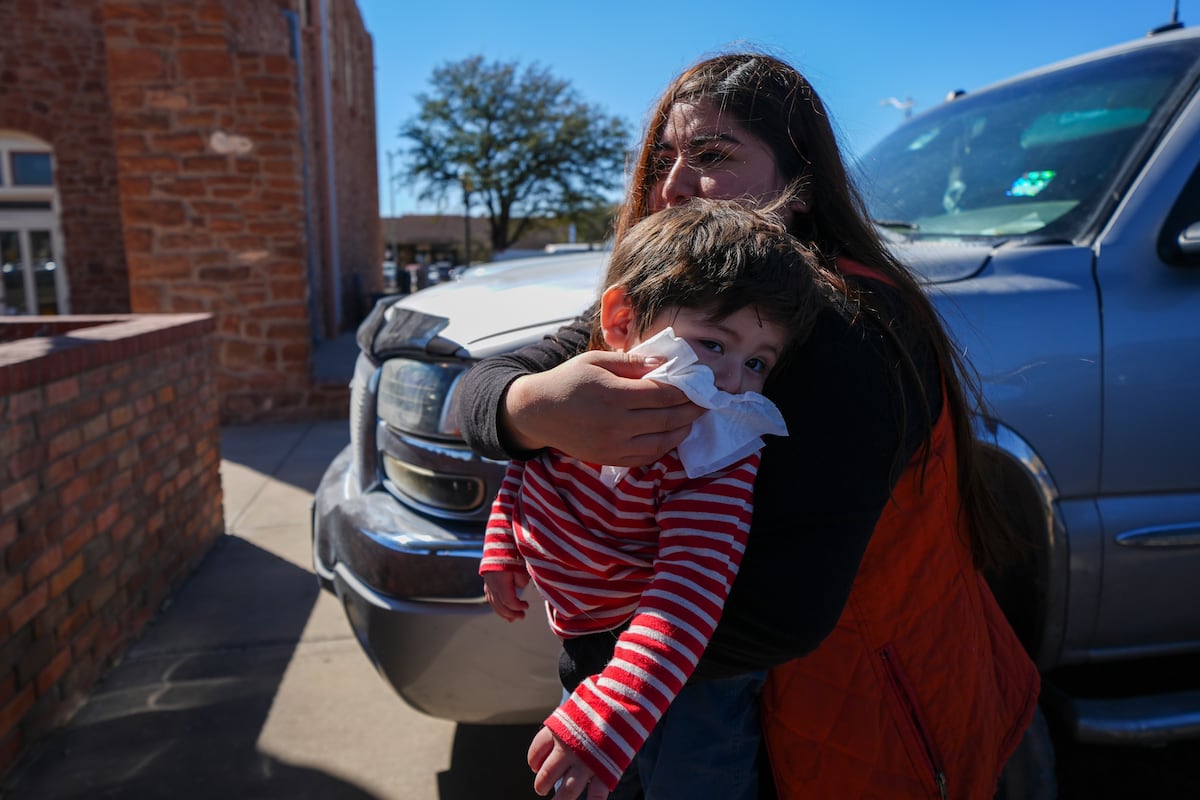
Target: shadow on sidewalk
{"points": [[180, 716], [295, 453], [489, 761]]}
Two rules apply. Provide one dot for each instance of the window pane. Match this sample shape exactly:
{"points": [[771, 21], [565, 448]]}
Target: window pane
{"points": [[31, 169], [44, 268], [10, 269], [25, 205]]}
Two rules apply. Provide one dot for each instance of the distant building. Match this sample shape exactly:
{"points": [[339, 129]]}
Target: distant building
{"points": [[430, 238], [195, 155]]}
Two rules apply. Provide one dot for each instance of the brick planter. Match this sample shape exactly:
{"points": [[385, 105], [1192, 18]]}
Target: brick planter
{"points": [[110, 495]]}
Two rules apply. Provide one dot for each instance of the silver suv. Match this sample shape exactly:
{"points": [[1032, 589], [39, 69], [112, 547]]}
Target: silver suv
{"points": [[1056, 219]]}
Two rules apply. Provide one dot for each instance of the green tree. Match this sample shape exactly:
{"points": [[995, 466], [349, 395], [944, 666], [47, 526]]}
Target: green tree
{"points": [[593, 221], [521, 143]]}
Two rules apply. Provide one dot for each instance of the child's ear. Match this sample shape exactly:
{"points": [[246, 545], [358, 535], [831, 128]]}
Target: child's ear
{"points": [[616, 319]]}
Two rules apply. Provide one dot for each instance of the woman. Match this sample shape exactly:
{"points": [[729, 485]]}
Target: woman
{"points": [[894, 674]]}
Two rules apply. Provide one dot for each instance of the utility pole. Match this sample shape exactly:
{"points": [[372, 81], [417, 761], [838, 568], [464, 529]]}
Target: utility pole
{"points": [[465, 178], [905, 105], [391, 179], [391, 226]]}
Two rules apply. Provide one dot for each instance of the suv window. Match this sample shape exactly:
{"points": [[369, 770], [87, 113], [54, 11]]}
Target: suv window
{"points": [[1033, 156]]}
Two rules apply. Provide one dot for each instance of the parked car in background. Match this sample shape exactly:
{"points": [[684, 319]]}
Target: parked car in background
{"points": [[442, 272], [1056, 220]]}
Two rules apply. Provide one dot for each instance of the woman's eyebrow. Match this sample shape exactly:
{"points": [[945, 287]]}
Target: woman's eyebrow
{"points": [[708, 138], [700, 140]]}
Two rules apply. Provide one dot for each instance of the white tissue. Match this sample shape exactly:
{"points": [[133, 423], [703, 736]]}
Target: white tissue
{"points": [[731, 428]]}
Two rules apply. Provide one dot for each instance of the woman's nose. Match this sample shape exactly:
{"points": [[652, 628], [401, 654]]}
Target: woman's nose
{"points": [[678, 185]]}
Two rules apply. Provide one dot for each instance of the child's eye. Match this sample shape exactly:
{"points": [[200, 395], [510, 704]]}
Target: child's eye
{"points": [[757, 365], [709, 344]]}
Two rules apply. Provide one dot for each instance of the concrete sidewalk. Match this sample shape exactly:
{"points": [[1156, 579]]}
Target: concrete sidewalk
{"points": [[250, 683]]}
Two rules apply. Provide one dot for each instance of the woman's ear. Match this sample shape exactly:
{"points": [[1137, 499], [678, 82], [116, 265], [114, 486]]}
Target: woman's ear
{"points": [[616, 319], [799, 194], [801, 202]]}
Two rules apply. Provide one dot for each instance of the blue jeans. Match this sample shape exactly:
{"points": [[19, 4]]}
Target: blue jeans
{"points": [[706, 745]]}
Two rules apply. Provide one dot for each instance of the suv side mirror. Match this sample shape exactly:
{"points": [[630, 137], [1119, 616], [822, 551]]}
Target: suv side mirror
{"points": [[1189, 241], [1179, 236]]}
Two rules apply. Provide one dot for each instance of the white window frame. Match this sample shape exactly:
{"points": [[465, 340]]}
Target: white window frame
{"points": [[25, 221]]}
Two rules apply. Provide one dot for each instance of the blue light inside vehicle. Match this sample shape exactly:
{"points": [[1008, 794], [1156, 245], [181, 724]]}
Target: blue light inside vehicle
{"points": [[1031, 183]]}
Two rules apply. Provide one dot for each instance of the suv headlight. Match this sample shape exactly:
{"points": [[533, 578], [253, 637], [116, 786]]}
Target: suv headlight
{"points": [[417, 397]]}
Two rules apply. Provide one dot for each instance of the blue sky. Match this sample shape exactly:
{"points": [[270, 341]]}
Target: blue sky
{"points": [[620, 54]]}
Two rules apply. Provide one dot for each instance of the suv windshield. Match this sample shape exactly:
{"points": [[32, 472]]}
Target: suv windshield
{"points": [[1034, 156]]}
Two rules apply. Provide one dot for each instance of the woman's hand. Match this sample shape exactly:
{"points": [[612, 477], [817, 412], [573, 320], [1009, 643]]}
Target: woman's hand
{"points": [[594, 407], [552, 761]]}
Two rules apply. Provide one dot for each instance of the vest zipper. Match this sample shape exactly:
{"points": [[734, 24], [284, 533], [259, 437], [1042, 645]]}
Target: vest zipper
{"points": [[908, 698]]}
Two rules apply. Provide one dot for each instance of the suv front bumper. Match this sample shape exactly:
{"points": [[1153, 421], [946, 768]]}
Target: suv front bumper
{"points": [[412, 594]]}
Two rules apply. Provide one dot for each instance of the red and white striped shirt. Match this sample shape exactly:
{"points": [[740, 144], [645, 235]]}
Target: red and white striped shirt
{"points": [[658, 549]]}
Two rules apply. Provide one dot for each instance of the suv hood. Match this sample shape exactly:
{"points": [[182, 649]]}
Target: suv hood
{"points": [[944, 261], [499, 306]]}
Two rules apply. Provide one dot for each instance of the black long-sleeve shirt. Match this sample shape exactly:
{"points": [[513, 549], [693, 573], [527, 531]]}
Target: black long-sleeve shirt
{"points": [[850, 408]]}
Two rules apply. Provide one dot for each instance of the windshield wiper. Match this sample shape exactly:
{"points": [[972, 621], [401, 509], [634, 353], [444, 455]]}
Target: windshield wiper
{"points": [[904, 225]]}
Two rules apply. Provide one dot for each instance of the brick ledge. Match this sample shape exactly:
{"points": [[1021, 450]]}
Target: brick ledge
{"points": [[80, 343]]}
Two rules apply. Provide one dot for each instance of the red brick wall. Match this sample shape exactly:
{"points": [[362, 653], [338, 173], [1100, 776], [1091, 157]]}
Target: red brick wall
{"points": [[212, 198], [345, 198], [196, 175], [355, 178], [52, 85], [110, 494]]}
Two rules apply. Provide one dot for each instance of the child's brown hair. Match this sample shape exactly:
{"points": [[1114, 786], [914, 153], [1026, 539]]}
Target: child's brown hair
{"points": [[717, 256]]}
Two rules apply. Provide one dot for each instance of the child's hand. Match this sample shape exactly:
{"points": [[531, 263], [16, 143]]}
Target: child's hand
{"points": [[500, 589], [551, 760]]}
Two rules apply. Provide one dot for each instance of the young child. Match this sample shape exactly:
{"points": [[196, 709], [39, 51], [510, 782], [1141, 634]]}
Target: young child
{"points": [[635, 565]]}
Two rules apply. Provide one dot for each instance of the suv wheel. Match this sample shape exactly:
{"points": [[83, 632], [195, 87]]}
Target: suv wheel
{"points": [[1029, 774]]}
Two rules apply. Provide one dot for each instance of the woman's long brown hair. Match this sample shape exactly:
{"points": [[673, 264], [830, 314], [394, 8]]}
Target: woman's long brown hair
{"points": [[769, 99]]}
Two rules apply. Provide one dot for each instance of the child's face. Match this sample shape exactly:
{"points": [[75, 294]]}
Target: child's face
{"points": [[740, 349]]}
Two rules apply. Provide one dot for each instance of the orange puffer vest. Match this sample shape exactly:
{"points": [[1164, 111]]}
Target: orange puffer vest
{"points": [[922, 690]]}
